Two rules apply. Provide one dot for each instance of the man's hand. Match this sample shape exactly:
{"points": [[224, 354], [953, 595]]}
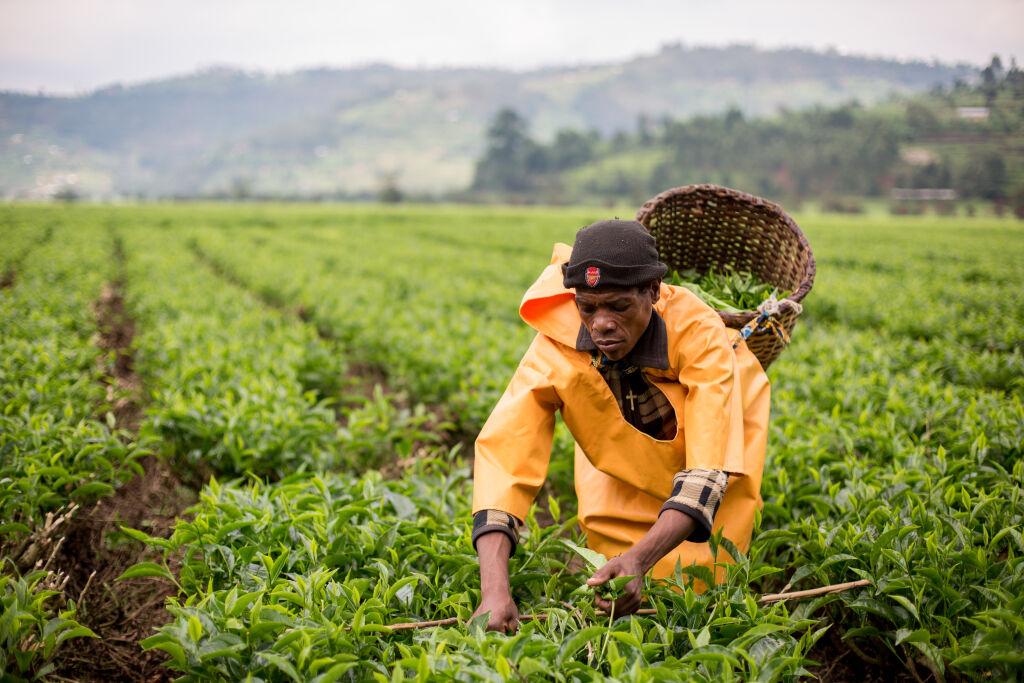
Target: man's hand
{"points": [[624, 565], [495, 591], [671, 529], [504, 615]]}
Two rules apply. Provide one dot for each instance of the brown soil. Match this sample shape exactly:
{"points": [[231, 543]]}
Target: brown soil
{"points": [[839, 662], [7, 278], [121, 613], [116, 332]]}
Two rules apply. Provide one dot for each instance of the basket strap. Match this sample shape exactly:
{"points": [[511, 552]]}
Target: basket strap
{"points": [[767, 321]]}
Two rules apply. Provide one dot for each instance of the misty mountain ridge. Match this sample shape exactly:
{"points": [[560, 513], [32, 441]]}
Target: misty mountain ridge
{"points": [[340, 132]]}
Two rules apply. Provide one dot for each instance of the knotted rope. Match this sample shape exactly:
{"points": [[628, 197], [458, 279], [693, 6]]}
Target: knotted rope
{"points": [[767, 320]]}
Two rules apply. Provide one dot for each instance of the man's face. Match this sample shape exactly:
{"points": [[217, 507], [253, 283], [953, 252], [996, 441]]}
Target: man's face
{"points": [[616, 317]]}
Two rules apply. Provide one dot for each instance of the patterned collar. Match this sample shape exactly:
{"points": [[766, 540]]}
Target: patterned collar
{"points": [[651, 350]]}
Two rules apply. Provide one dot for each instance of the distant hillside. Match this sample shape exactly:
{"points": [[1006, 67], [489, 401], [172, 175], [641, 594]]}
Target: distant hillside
{"points": [[344, 131], [960, 142]]}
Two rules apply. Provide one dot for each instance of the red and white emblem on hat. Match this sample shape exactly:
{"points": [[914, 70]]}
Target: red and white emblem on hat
{"points": [[593, 275]]}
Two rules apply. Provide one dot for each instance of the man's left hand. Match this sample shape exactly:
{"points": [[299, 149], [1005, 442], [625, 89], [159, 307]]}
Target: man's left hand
{"points": [[623, 565], [671, 529]]}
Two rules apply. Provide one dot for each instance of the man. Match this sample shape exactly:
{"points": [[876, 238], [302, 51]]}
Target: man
{"points": [[669, 419]]}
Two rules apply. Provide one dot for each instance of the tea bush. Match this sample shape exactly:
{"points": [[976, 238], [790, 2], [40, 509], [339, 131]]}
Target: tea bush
{"points": [[894, 449], [60, 447], [298, 580]]}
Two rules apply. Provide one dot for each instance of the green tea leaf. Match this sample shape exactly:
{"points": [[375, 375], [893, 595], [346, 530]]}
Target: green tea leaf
{"points": [[146, 569], [594, 559]]}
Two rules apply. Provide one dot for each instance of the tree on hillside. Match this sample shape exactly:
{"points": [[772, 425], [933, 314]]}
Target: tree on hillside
{"points": [[922, 119], [571, 148], [993, 77], [984, 176], [506, 164]]}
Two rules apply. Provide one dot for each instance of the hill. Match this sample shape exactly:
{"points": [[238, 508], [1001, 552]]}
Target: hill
{"points": [[965, 141], [345, 131]]}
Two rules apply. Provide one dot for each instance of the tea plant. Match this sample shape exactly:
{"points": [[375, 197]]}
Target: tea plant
{"points": [[416, 292], [300, 579], [894, 453], [236, 386], [60, 448], [611, 589], [30, 633], [56, 444]]}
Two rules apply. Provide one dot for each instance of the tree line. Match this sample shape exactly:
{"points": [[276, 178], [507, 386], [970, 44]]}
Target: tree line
{"points": [[965, 137]]}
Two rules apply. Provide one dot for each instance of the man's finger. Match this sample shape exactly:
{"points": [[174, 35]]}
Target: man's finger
{"points": [[600, 576]]}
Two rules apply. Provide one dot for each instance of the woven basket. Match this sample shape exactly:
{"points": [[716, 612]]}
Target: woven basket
{"points": [[707, 226]]}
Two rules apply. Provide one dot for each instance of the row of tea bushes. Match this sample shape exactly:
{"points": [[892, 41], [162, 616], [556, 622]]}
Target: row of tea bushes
{"points": [[416, 292], [233, 384], [894, 452], [889, 474], [896, 443], [298, 580], [56, 443], [60, 449], [221, 371]]}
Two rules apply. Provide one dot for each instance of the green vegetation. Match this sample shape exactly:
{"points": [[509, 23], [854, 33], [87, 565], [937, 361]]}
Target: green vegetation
{"points": [[61, 448], [927, 141], [334, 506], [59, 443], [30, 634], [593, 561], [223, 372], [728, 290]]}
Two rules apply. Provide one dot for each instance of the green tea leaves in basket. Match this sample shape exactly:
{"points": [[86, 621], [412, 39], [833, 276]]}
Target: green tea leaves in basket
{"points": [[728, 290]]}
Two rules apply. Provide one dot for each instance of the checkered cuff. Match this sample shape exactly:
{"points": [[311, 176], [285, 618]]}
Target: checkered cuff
{"points": [[486, 521], [698, 493]]}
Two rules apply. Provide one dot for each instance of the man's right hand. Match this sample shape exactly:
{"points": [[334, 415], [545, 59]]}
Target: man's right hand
{"points": [[495, 593], [504, 615]]}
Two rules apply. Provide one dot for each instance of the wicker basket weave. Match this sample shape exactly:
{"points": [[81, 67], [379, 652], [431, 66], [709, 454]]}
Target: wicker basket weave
{"points": [[707, 226]]}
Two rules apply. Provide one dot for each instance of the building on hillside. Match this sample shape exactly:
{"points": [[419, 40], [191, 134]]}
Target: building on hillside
{"points": [[917, 157], [972, 113], [923, 194]]}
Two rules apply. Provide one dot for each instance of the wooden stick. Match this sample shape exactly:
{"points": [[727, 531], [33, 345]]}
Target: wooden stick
{"points": [[647, 611], [423, 624], [764, 599], [814, 592]]}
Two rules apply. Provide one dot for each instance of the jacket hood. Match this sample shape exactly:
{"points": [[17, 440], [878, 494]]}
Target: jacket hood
{"points": [[550, 308]]}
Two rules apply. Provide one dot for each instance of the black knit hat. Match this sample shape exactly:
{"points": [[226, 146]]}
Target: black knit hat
{"points": [[613, 253]]}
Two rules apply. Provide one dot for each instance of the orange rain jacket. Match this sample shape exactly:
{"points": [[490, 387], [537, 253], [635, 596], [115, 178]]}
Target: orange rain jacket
{"points": [[623, 476]]}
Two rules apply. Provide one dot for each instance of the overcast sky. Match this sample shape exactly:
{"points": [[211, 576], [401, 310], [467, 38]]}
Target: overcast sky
{"points": [[67, 46]]}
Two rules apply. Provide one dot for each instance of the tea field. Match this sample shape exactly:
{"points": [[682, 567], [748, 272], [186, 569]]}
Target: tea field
{"points": [[315, 374]]}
